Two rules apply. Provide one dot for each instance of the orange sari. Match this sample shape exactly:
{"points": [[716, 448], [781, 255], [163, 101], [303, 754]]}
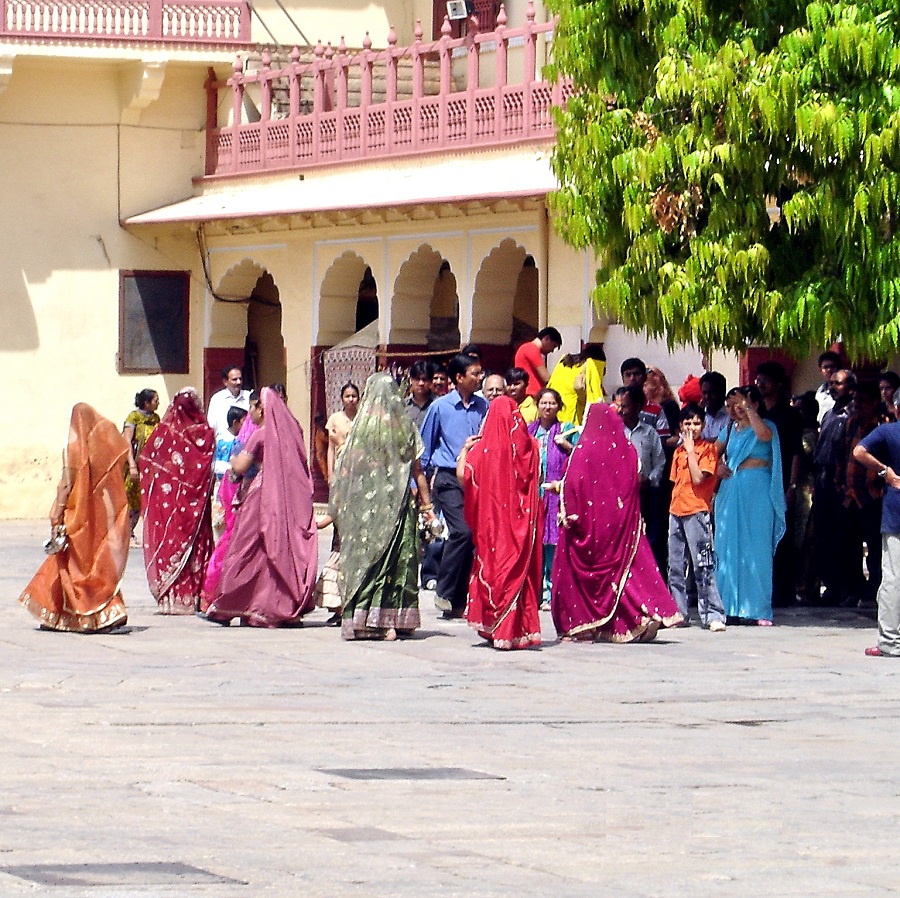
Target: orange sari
{"points": [[78, 588]]}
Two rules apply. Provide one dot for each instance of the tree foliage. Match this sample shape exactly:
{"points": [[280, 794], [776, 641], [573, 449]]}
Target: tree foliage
{"points": [[692, 122]]}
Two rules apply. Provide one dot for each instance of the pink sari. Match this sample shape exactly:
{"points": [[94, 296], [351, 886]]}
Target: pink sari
{"points": [[270, 569], [227, 491], [605, 581], [176, 482]]}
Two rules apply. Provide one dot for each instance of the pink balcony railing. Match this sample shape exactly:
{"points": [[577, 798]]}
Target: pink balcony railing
{"points": [[170, 21], [316, 123]]}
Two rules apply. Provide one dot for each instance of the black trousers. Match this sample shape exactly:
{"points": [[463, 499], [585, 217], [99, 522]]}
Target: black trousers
{"points": [[456, 562]]}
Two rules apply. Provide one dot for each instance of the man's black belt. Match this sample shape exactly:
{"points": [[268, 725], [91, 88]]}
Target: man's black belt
{"points": [[448, 470]]}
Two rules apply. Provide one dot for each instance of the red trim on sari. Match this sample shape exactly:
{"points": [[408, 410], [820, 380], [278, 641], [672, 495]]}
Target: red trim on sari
{"points": [[505, 514], [176, 480]]}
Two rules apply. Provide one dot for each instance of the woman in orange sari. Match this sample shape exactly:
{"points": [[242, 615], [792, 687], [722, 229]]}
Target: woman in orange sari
{"points": [[500, 472], [77, 589]]}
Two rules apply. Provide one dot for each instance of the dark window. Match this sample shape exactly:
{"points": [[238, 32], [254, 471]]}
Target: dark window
{"points": [[154, 322]]}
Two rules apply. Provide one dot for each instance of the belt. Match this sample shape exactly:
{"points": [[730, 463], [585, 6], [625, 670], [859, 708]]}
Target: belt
{"points": [[448, 470]]}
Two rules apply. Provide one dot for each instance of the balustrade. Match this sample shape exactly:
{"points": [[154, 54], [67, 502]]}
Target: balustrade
{"points": [[171, 21], [319, 124]]}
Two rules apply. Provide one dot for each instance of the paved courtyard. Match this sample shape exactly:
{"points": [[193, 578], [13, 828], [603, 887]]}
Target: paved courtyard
{"points": [[177, 758]]}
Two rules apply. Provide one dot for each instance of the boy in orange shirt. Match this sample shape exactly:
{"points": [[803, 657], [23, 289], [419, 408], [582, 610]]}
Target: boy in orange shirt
{"points": [[690, 529]]}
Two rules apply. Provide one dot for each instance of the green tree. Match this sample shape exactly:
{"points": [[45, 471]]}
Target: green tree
{"points": [[693, 123]]}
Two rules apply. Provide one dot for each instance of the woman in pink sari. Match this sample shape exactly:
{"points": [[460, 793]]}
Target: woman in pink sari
{"points": [[606, 585], [228, 489], [270, 570], [176, 466]]}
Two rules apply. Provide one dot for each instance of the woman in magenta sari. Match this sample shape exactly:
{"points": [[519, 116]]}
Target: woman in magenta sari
{"points": [[500, 472], [176, 481], [228, 489], [270, 570], [606, 586]]}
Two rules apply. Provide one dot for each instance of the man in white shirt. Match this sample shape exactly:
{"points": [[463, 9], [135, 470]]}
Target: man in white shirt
{"points": [[829, 364], [712, 392], [230, 395]]}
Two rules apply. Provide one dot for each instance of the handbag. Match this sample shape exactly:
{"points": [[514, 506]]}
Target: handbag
{"points": [[59, 539]]}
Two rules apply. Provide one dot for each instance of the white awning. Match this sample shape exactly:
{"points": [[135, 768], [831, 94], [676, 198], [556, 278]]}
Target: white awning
{"points": [[466, 178]]}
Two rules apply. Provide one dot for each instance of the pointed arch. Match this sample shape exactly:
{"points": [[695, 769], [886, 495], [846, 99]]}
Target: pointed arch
{"points": [[425, 305], [494, 299], [339, 294]]}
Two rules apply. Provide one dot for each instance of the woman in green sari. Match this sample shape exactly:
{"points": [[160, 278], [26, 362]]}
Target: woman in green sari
{"points": [[138, 426], [375, 512]]}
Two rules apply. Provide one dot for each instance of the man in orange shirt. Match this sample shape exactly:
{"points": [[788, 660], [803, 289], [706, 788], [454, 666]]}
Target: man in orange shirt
{"points": [[531, 357], [690, 530]]}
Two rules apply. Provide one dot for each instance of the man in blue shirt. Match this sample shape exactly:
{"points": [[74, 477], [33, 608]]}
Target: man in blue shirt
{"points": [[880, 451], [449, 421]]}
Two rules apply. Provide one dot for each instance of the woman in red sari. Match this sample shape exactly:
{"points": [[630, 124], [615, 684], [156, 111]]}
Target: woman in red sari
{"points": [[270, 570], [500, 473], [77, 589], [606, 585], [176, 466]]}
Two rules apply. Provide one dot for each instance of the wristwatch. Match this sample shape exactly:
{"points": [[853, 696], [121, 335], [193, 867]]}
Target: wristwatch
{"points": [[883, 473]]}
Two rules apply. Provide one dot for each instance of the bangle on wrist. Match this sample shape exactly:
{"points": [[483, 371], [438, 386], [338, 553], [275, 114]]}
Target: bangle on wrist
{"points": [[428, 506]]}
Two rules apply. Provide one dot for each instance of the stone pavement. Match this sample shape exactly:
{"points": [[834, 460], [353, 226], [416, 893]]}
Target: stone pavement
{"points": [[178, 758]]}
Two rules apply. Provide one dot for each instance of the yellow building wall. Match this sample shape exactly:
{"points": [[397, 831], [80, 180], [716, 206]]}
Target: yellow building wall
{"points": [[71, 168]]}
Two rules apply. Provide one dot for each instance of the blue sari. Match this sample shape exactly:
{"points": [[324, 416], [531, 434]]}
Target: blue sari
{"points": [[749, 518]]}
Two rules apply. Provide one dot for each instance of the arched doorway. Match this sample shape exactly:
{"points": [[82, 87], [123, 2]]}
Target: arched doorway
{"points": [[347, 305], [245, 328], [425, 305], [504, 302], [264, 349]]}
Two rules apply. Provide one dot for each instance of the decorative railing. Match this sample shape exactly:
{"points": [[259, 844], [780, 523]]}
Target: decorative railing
{"points": [[319, 125], [170, 21]]}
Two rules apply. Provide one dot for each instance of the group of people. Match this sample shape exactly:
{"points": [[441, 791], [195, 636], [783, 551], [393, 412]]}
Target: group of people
{"points": [[614, 517]]}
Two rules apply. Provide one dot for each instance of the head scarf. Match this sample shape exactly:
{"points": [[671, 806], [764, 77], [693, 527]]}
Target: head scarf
{"points": [[286, 502], [504, 512], [176, 480], [370, 487], [597, 552], [78, 588]]}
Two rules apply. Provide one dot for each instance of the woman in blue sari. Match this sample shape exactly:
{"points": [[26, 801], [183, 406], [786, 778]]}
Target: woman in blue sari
{"points": [[749, 509]]}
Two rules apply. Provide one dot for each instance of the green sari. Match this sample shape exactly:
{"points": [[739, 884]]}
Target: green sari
{"points": [[375, 514], [144, 424]]}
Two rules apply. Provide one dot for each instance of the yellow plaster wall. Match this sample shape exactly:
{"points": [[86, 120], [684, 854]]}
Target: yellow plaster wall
{"points": [[65, 157]]}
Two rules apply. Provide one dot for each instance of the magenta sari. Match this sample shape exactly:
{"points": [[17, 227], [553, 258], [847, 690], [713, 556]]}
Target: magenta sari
{"points": [[605, 581], [270, 569], [227, 491]]}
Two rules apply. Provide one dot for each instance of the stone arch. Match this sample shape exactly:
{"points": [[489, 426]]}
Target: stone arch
{"points": [[264, 352], [496, 287], [339, 296], [525, 303], [425, 305], [228, 317]]}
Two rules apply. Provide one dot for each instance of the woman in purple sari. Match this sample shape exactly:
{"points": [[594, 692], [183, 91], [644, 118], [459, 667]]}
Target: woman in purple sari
{"points": [[555, 441], [270, 569], [606, 586]]}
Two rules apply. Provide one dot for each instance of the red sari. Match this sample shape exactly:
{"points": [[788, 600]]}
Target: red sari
{"points": [[606, 585], [78, 588], [176, 466], [506, 516]]}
